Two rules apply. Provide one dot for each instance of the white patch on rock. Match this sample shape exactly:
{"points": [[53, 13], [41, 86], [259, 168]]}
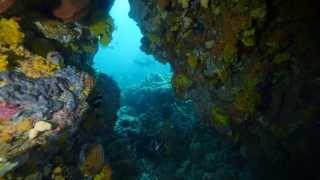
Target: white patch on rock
{"points": [[33, 133], [42, 126]]}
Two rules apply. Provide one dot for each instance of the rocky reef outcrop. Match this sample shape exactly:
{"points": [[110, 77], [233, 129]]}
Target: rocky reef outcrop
{"points": [[48, 88], [162, 138], [251, 68], [39, 109], [143, 114]]}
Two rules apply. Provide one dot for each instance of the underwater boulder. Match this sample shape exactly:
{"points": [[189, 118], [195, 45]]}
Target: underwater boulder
{"points": [[48, 99], [43, 90]]}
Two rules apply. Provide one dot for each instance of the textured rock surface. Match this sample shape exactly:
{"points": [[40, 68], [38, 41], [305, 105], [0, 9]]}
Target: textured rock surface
{"points": [[251, 67], [36, 100], [46, 80], [143, 115]]}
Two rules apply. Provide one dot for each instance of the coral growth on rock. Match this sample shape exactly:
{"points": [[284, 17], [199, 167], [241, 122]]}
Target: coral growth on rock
{"points": [[38, 67], [53, 29], [40, 99], [46, 79], [7, 111], [103, 29], [71, 11], [251, 69], [249, 66], [105, 174], [3, 63], [92, 159], [10, 33]]}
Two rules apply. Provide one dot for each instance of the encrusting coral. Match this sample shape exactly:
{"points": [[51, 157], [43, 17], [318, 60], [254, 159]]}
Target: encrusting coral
{"points": [[181, 82], [219, 118], [102, 28], [93, 159], [184, 3], [54, 29], [38, 66], [11, 38], [7, 133], [3, 63], [6, 111], [10, 33], [243, 63], [45, 78], [104, 174]]}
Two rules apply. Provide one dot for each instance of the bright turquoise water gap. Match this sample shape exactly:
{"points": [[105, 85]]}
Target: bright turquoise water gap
{"points": [[122, 59]]}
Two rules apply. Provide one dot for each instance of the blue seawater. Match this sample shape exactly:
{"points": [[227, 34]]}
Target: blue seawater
{"points": [[123, 59]]}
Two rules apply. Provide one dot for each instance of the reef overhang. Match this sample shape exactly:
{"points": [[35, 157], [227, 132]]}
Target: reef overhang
{"points": [[250, 67]]}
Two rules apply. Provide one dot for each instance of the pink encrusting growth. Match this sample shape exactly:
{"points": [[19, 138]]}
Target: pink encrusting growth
{"points": [[7, 111], [71, 11], [5, 5]]}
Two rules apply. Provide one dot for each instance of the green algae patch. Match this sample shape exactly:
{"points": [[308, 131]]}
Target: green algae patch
{"points": [[182, 82], [153, 38], [184, 3], [281, 58], [223, 74], [248, 37], [192, 61], [218, 117], [229, 54], [103, 29], [258, 13], [90, 49], [105, 174], [247, 100]]}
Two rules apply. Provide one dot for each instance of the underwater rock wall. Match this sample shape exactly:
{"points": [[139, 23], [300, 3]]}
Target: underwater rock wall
{"points": [[47, 88], [251, 67]]}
